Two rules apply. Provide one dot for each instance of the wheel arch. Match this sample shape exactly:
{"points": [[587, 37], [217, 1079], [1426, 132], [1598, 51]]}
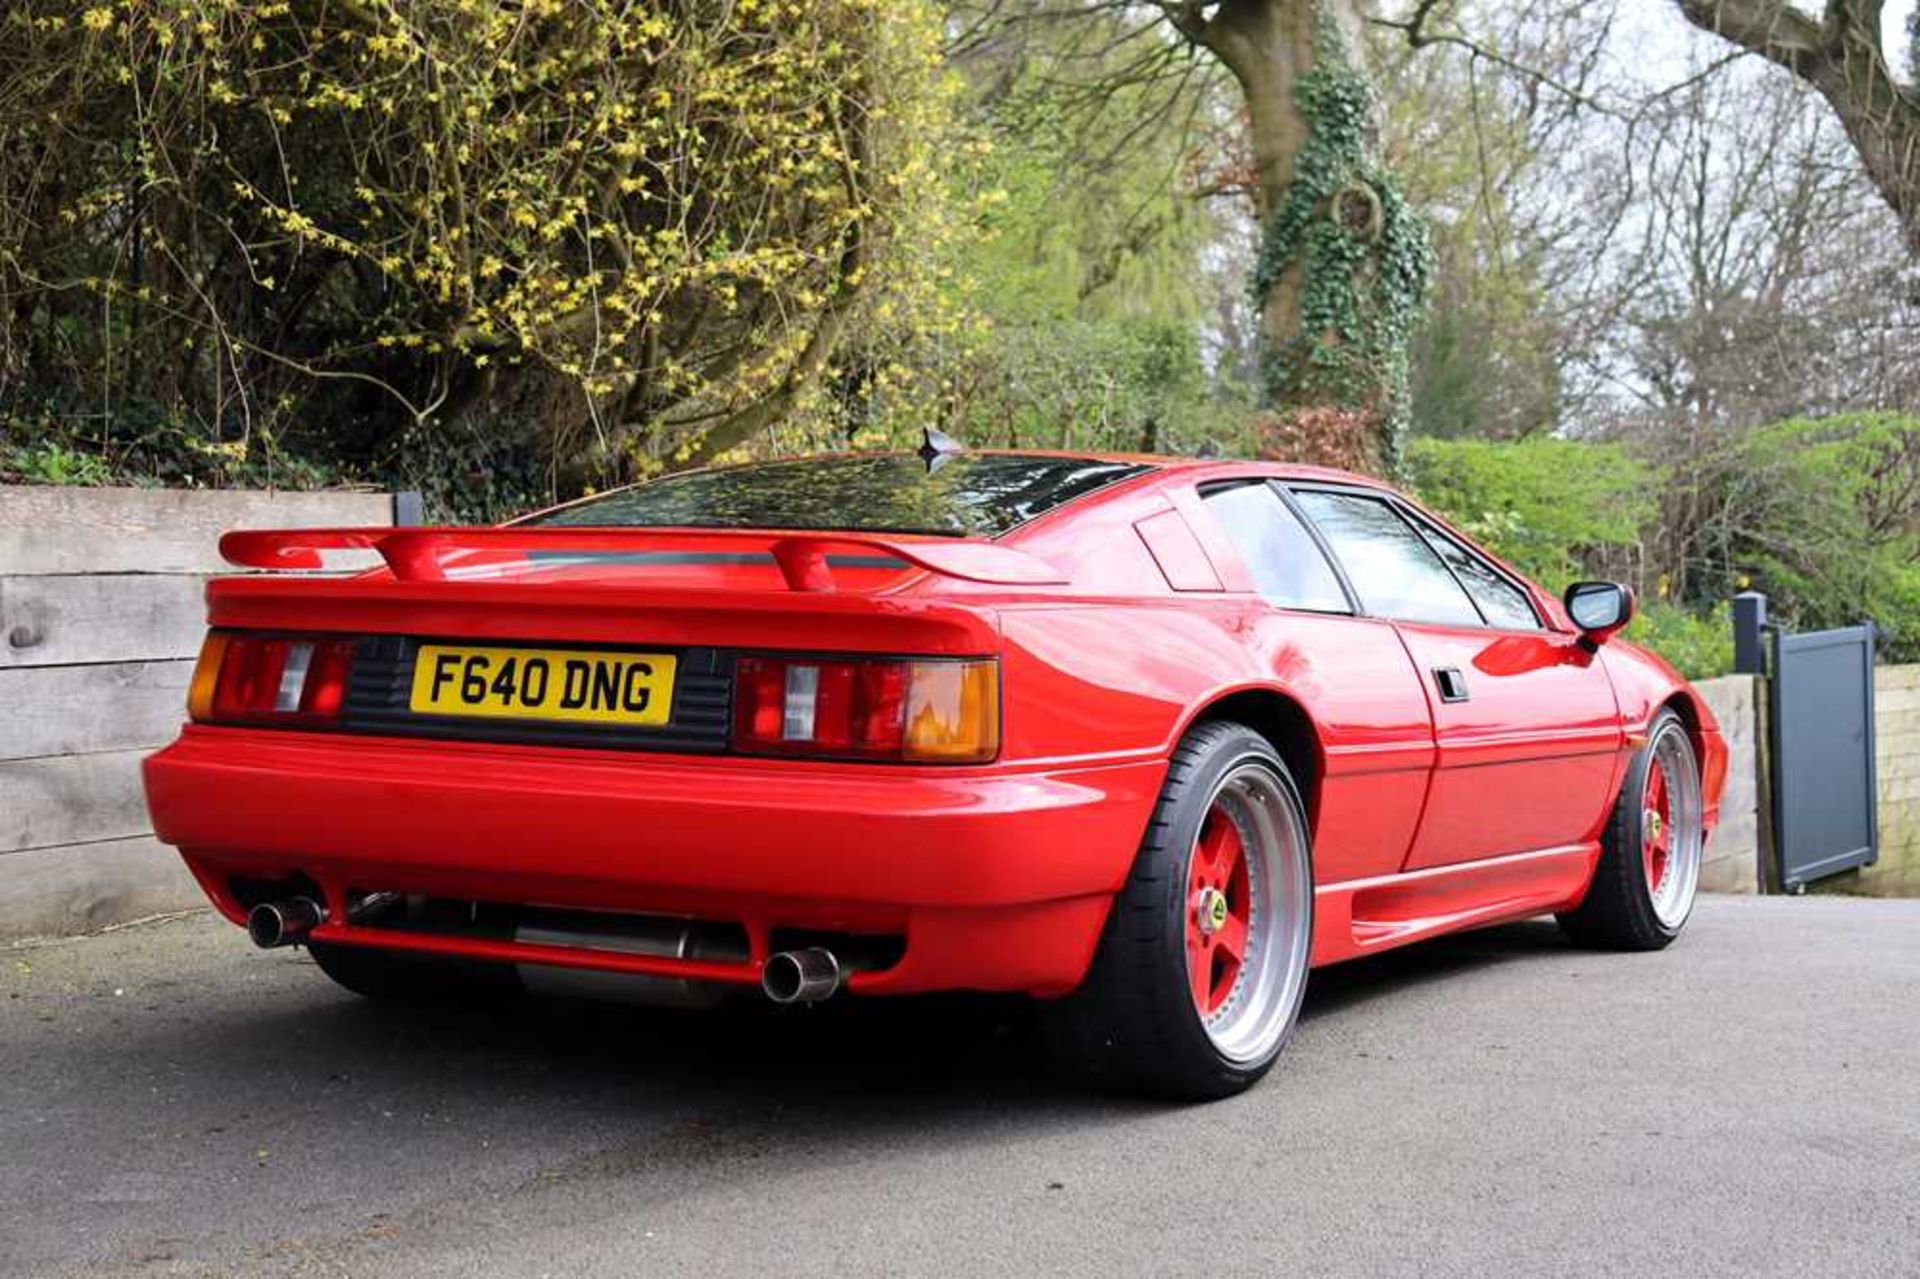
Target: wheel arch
{"points": [[1683, 702], [1694, 717], [1285, 723], [1710, 748]]}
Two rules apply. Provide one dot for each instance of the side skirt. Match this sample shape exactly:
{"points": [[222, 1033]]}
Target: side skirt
{"points": [[1362, 916]]}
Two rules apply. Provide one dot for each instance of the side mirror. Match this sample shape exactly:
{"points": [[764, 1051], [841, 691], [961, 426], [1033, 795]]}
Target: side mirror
{"points": [[1599, 609]]}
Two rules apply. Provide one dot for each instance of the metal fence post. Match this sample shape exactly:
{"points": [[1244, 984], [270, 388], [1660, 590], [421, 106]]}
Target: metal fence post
{"points": [[409, 509], [1749, 633]]}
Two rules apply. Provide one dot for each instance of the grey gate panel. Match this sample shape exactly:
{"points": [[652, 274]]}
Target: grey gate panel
{"points": [[1822, 737]]}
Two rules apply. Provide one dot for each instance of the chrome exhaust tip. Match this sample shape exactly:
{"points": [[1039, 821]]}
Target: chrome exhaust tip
{"points": [[801, 976], [283, 923]]}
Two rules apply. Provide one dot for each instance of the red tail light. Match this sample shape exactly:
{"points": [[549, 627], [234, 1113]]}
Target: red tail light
{"points": [[868, 708], [326, 688], [271, 679]]}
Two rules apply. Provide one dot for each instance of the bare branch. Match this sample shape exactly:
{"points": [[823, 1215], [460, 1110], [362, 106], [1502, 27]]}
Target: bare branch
{"points": [[1419, 36], [1840, 55]]}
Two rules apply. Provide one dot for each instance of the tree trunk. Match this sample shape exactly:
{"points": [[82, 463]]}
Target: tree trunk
{"points": [[1342, 262], [1269, 45]]}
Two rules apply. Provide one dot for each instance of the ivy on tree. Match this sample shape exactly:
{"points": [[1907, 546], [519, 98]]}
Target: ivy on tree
{"points": [[1363, 256]]}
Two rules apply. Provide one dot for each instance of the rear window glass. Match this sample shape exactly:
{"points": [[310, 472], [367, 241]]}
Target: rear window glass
{"points": [[969, 495]]}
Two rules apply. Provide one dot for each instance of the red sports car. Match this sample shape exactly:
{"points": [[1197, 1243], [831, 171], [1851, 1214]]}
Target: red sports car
{"points": [[1147, 739]]}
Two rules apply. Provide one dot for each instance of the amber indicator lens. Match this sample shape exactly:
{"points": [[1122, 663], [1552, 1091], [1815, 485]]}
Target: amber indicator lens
{"points": [[206, 672], [953, 711]]}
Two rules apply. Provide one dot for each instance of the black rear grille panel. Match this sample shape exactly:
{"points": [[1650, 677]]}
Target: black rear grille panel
{"points": [[383, 679]]}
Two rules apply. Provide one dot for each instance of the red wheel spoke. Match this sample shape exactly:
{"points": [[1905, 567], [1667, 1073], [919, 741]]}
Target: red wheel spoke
{"points": [[1656, 826], [1232, 938], [1218, 842], [1216, 925]]}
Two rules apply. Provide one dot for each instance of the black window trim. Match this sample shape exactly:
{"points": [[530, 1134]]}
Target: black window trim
{"points": [[1413, 518], [1354, 607]]}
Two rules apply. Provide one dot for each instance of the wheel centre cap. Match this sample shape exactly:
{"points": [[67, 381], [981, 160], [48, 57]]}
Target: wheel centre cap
{"points": [[1653, 823], [1212, 910]]}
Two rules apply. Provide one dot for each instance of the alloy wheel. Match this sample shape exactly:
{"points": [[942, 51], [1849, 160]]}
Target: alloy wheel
{"points": [[1248, 913], [1671, 835]]}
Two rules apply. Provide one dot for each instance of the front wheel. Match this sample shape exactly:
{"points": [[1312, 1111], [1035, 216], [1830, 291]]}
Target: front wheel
{"points": [[1649, 869], [1200, 971]]}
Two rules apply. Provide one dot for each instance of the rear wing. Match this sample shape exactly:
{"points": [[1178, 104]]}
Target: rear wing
{"points": [[420, 554]]}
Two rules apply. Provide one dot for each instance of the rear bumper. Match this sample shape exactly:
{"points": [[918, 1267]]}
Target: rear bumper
{"points": [[998, 879]]}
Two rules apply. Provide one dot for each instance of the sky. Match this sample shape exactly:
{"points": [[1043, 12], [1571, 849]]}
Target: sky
{"points": [[1896, 21], [1658, 45]]}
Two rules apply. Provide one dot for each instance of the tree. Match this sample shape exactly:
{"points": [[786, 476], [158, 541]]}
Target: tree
{"points": [[1557, 510], [1832, 531], [1761, 282], [1343, 261], [1081, 274], [645, 228], [1841, 54], [1480, 151]]}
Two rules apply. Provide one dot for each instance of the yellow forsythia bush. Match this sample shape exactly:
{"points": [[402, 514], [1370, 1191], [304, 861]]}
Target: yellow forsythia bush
{"points": [[668, 216]]}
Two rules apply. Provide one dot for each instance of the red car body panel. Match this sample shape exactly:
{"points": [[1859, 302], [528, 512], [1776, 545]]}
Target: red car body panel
{"points": [[1138, 622]]}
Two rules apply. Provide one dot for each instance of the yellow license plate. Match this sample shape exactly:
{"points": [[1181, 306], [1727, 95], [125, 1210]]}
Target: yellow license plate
{"points": [[565, 685]]}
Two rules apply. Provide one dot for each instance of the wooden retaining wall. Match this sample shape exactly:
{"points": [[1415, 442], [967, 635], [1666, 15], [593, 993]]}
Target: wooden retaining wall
{"points": [[101, 615]]}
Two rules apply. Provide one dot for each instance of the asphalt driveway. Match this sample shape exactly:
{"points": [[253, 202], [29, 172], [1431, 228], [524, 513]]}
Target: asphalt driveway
{"points": [[173, 1102]]}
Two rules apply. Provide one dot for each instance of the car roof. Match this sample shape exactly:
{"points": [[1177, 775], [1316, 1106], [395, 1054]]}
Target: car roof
{"points": [[1222, 467], [1173, 462], [1164, 462]]}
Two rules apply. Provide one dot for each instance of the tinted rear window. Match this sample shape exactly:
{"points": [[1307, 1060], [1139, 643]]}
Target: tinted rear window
{"points": [[970, 495]]}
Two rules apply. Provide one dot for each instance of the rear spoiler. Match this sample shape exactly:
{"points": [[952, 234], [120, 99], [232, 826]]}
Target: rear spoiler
{"points": [[416, 554]]}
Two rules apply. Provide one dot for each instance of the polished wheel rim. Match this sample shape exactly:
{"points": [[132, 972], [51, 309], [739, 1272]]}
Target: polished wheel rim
{"points": [[1248, 910], [1670, 826]]}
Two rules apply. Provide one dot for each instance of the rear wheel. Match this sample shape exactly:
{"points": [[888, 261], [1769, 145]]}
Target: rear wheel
{"points": [[1649, 870], [1200, 971]]}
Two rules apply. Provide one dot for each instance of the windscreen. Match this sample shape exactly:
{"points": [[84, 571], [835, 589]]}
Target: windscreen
{"points": [[968, 495]]}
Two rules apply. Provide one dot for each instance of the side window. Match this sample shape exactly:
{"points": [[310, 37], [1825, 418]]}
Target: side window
{"points": [[1501, 602], [1395, 572], [1285, 561]]}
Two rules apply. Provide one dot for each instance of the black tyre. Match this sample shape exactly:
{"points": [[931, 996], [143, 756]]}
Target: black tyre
{"points": [[389, 975], [1199, 974], [1649, 870]]}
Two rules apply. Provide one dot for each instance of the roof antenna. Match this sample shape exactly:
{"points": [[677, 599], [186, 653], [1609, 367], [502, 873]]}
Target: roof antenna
{"points": [[937, 448]]}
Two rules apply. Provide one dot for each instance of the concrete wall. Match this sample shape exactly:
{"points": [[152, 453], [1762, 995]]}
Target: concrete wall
{"points": [[100, 618], [1732, 863]]}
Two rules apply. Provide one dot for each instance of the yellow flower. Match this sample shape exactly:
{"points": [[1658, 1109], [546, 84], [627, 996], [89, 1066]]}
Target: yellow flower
{"points": [[97, 19]]}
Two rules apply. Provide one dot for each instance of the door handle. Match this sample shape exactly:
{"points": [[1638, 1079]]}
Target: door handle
{"points": [[1451, 683]]}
